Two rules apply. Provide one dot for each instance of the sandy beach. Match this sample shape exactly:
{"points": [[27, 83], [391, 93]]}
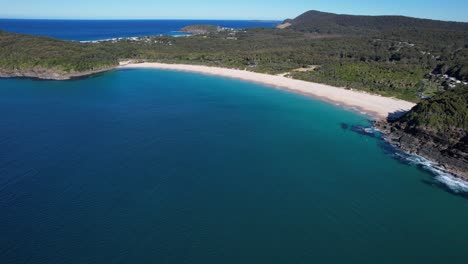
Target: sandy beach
{"points": [[374, 105]]}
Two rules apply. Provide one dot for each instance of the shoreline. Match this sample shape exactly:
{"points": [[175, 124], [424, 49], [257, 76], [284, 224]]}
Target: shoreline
{"points": [[376, 106], [51, 75], [435, 151], [137, 38]]}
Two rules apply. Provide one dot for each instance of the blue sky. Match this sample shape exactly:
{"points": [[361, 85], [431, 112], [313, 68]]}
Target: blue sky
{"points": [[453, 10]]}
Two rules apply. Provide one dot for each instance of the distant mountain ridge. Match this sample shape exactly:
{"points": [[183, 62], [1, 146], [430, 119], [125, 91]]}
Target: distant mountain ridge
{"points": [[322, 22]]}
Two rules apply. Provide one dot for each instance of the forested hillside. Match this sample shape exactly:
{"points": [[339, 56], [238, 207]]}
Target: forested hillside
{"points": [[321, 22], [393, 56], [23, 52]]}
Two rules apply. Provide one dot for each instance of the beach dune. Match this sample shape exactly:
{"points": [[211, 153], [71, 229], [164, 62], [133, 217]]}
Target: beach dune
{"points": [[377, 106]]}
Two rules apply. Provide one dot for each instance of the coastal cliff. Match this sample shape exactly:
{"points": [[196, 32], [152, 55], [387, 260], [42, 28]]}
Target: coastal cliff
{"points": [[435, 129]]}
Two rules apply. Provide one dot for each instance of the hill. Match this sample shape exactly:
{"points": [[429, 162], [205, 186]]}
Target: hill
{"points": [[445, 42], [200, 29], [49, 58], [321, 22]]}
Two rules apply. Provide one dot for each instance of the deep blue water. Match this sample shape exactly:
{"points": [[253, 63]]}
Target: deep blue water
{"points": [[85, 30], [145, 166]]}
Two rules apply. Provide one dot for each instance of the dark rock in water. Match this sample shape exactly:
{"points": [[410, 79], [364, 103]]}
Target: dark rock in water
{"points": [[344, 126], [362, 130], [366, 131]]}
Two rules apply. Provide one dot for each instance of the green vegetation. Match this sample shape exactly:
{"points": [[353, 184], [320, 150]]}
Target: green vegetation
{"points": [[387, 79], [444, 112], [392, 56], [321, 22], [23, 52], [200, 29]]}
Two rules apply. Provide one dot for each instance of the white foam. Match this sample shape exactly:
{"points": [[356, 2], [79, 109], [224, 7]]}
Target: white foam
{"points": [[101, 40], [453, 183], [180, 34]]}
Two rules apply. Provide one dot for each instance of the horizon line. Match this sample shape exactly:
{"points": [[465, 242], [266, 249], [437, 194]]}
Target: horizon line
{"points": [[210, 19], [224, 19]]}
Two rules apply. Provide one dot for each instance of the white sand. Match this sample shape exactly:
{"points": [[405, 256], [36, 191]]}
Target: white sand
{"points": [[375, 105]]}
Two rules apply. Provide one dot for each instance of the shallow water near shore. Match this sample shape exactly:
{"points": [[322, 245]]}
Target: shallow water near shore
{"points": [[150, 166]]}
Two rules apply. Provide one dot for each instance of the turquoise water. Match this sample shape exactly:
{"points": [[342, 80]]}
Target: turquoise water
{"points": [[144, 166]]}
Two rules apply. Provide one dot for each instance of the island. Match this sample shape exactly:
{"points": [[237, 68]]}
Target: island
{"points": [[200, 29]]}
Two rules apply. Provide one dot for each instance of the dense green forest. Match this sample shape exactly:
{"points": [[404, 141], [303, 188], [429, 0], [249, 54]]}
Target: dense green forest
{"points": [[322, 22], [393, 56], [23, 52], [445, 111]]}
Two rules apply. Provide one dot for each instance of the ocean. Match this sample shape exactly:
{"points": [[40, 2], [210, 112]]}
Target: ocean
{"points": [[152, 166], [91, 30]]}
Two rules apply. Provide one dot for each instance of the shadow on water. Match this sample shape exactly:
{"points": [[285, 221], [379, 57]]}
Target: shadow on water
{"points": [[403, 157], [344, 126]]}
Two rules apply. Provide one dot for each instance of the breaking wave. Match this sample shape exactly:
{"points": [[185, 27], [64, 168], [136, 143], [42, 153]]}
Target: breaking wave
{"points": [[448, 180], [443, 178]]}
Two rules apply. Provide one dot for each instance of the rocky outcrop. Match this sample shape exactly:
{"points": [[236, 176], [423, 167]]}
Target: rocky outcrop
{"points": [[50, 74], [448, 149], [436, 128]]}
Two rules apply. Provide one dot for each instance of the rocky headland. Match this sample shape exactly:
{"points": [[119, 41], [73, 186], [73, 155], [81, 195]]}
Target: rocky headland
{"points": [[435, 129]]}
